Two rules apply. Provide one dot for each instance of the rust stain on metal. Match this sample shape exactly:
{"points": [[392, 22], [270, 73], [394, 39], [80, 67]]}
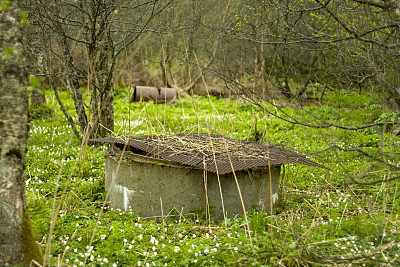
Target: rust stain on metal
{"points": [[213, 153]]}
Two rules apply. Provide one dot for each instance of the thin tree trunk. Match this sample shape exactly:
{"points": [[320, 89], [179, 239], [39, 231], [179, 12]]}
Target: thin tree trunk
{"points": [[106, 71], [76, 91], [103, 62], [107, 114], [80, 109], [17, 243], [95, 109], [69, 119]]}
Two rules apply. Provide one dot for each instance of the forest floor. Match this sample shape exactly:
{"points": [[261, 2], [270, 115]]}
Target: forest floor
{"points": [[322, 217]]}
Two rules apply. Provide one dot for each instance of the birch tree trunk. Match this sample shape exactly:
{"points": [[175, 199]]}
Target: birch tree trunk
{"points": [[17, 242]]}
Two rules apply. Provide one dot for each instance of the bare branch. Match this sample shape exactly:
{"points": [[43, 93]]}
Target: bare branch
{"points": [[386, 5]]}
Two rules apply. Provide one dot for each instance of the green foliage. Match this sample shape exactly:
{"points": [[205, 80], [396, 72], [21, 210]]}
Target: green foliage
{"points": [[24, 18], [122, 92], [390, 116], [321, 219], [257, 223], [7, 54], [4, 5], [349, 100], [35, 82], [41, 111]]}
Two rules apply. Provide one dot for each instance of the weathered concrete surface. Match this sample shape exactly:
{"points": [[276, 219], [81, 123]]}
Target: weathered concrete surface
{"points": [[142, 183]]}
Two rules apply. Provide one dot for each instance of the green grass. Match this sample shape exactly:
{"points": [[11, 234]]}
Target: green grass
{"points": [[322, 217]]}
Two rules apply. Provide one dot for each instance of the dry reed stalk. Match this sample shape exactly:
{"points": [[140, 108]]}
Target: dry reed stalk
{"points": [[219, 186], [241, 200]]}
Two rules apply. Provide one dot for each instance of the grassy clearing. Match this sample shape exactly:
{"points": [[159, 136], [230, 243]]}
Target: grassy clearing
{"points": [[321, 218]]}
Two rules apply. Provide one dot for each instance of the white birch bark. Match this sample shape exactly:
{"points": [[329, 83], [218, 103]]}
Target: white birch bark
{"points": [[13, 140]]}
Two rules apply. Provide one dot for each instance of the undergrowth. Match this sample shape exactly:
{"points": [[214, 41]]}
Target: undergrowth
{"points": [[322, 216]]}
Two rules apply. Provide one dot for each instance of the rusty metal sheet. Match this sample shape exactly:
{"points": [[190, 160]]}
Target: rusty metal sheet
{"points": [[210, 152]]}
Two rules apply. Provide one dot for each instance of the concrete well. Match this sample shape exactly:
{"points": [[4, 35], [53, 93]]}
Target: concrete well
{"points": [[154, 187]]}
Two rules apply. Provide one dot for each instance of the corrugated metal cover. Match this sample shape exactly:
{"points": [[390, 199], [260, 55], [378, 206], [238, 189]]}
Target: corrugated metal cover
{"points": [[213, 153]]}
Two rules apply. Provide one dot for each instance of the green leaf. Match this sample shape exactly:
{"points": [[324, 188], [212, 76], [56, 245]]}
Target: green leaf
{"points": [[34, 82], [5, 5], [24, 18], [6, 57], [7, 52]]}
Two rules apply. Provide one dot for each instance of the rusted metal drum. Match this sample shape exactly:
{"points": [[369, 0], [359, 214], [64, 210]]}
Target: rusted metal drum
{"points": [[158, 95]]}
